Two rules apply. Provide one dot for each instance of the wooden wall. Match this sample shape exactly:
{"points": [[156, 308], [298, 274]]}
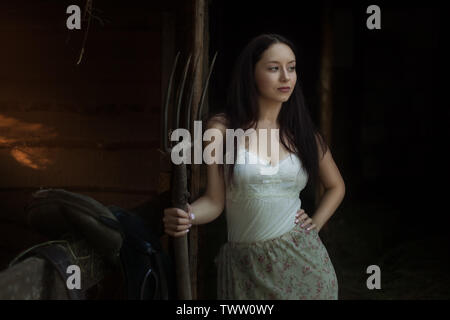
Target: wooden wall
{"points": [[91, 128]]}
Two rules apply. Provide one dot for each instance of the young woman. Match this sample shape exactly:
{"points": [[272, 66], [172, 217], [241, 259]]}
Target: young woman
{"points": [[273, 249]]}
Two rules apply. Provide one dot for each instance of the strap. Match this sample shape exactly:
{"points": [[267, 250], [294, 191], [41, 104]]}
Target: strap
{"points": [[58, 256], [163, 288], [162, 272], [113, 224], [149, 272], [60, 259]]}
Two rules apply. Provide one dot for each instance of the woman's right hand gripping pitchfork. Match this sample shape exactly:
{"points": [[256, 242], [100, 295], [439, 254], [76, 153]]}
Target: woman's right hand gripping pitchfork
{"points": [[177, 221]]}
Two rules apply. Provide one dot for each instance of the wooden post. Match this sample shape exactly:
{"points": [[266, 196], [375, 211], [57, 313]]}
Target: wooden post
{"points": [[325, 83], [187, 36], [200, 47]]}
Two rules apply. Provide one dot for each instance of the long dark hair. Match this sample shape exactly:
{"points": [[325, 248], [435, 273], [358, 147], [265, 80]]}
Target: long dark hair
{"points": [[296, 125]]}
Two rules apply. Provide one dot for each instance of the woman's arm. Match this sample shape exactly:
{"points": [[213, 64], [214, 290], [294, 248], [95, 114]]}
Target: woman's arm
{"points": [[206, 208], [334, 193]]}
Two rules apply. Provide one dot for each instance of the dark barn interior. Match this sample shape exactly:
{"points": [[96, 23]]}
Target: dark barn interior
{"points": [[94, 128]]}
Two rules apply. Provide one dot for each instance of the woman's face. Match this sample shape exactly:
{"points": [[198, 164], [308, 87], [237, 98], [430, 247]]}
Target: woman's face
{"points": [[275, 70]]}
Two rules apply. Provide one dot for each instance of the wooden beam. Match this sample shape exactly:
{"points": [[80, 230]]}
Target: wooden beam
{"points": [[200, 48], [326, 75], [325, 83]]}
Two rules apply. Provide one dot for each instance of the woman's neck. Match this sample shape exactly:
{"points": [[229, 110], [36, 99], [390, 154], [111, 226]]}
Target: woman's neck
{"points": [[268, 114]]}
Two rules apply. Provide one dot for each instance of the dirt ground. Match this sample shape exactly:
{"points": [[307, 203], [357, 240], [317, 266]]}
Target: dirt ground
{"points": [[413, 260]]}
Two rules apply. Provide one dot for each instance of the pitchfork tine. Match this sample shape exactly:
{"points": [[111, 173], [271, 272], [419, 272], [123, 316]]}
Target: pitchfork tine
{"points": [[165, 111], [191, 94], [181, 90], [200, 108]]}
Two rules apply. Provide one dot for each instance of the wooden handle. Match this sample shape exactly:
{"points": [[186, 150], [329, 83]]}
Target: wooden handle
{"points": [[180, 196]]}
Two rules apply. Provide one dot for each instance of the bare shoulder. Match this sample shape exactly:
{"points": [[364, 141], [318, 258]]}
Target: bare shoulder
{"points": [[322, 146], [218, 121]]}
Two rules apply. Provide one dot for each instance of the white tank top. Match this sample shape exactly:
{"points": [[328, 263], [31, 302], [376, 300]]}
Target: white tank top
{"points": [[264, 199]]}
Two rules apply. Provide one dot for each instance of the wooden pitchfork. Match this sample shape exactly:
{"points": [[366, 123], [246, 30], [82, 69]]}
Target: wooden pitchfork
{"points": [[179, 191]]}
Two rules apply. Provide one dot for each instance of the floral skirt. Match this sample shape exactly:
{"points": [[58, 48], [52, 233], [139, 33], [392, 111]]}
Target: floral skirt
{"points": [[295, 265]]}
